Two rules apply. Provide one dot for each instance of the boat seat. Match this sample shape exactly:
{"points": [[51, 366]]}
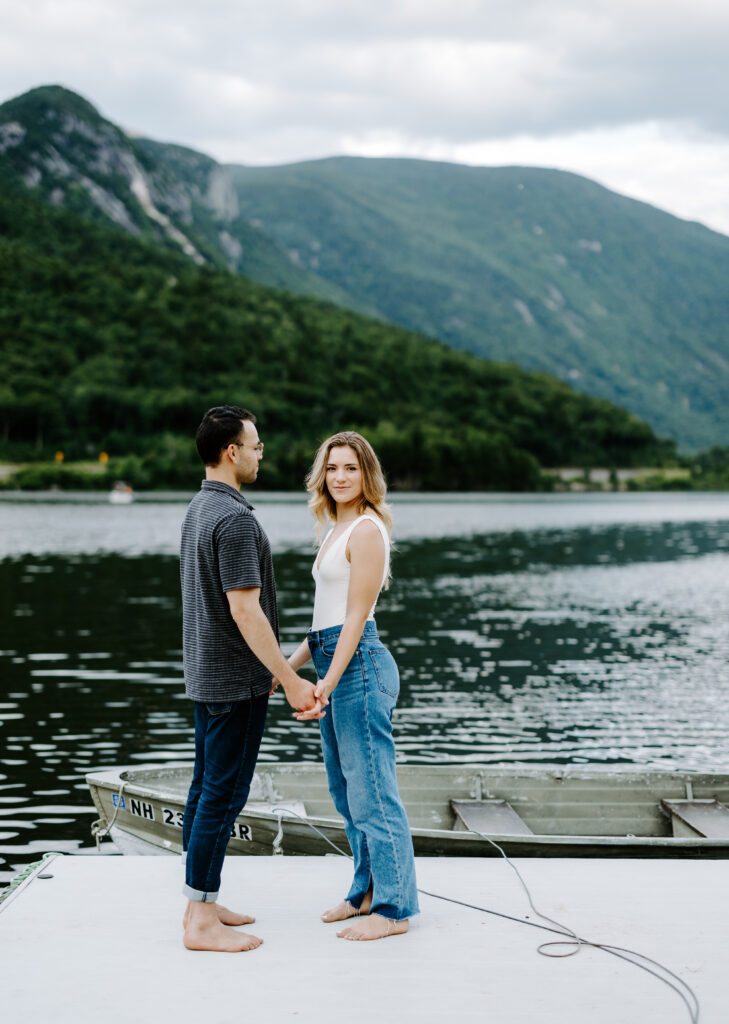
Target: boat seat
{"points": [[706, 818], [492, 817], [294, 807]]}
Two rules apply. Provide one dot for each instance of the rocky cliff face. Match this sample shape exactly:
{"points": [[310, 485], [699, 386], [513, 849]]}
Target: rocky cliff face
{"points": [[60, 146], [56, 144]]}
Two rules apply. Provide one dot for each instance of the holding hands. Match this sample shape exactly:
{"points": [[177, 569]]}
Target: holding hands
{"points": [[322, 692], [301, 695]]}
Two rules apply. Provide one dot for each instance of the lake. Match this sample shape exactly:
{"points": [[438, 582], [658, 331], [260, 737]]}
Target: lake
{"points": [[529, 628]]}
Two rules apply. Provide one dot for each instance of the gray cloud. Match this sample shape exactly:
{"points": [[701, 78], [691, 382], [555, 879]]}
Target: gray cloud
{"points": [[283, 80], [458, 71]]}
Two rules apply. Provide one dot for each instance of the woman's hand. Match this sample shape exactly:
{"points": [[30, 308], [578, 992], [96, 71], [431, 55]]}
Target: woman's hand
{"points": [[323, 690]]}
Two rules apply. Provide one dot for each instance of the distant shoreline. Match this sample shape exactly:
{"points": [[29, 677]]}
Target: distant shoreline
{"points": [[94, 479]]}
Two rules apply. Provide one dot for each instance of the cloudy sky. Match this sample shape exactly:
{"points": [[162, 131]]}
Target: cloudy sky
{"points": [[632, 93]]}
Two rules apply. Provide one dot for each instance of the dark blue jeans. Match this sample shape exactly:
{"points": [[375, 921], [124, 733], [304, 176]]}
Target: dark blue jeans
{"points": [[227, 739]]}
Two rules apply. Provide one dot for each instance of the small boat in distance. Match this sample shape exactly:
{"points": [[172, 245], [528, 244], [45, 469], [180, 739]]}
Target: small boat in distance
{"points": [[542, 810], [121, 494]]}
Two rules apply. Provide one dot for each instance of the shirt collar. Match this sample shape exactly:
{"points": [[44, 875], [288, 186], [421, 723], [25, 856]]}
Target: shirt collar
{"points": [[218, 485]]}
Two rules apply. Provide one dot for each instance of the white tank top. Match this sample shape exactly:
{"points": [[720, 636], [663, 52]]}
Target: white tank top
{"points": [[332, 576]]}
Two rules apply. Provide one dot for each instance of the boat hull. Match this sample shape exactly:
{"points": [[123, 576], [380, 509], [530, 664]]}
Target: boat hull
{"points": [[572, 812]]}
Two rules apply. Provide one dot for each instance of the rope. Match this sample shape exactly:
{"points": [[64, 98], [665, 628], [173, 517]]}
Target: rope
{"points": [[682, 989], [101, 827], [277, 847], [18, 879]]}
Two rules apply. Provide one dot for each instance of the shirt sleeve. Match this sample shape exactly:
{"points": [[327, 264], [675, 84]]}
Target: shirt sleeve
{"points": [[239, 563]]}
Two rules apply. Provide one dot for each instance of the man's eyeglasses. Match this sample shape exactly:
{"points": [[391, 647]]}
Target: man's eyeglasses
{"points": [[253, 447]]}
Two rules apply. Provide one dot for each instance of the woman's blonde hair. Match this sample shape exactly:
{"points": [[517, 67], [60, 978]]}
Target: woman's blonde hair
{"points": [[374, 488]]}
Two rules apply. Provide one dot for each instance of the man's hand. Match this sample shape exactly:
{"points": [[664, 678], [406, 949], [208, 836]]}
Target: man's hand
{"points": [[316, 712], [306, 716], [300, 695]]}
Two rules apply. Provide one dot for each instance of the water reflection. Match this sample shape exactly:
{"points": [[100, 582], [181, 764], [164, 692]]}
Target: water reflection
{"points": [[593, 644]]}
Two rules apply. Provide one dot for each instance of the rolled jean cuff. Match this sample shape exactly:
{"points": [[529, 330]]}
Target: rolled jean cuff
{"points": [[199, 897]]}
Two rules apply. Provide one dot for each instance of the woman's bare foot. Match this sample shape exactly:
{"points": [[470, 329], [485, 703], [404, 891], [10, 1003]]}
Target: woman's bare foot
{"points": [[205, 931], [344, 910], [225, 916], [373, 927]]}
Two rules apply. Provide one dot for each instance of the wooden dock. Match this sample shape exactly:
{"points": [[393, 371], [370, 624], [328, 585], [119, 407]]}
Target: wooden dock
{"points": [[101, 941]]}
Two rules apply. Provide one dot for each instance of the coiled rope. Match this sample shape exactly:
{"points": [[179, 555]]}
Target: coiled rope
{"points": [[570, 938]]}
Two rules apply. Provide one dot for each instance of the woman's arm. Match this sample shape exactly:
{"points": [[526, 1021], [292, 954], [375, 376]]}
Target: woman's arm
{"points": [[300, 656], [367, 559]]}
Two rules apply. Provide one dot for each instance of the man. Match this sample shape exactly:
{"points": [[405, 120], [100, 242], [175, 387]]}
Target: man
{"points": [[231, 653]]}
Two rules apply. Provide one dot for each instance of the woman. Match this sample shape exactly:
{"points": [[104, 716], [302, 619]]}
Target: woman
{"points": [[358, 680]]}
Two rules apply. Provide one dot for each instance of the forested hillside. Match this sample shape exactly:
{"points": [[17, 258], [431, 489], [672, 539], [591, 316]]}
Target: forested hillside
{"points": [[538, 267], [113, 343], [541, 267]]}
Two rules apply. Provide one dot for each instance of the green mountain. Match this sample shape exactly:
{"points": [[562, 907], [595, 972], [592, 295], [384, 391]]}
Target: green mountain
{"points": [[542, 268], [56, 144], [114, 343]]}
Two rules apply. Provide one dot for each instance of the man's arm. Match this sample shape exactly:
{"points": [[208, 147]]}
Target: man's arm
{"points": [[256, 630]]}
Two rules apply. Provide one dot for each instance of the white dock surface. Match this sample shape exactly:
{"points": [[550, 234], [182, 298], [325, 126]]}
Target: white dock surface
{"points": [[101, 941]]}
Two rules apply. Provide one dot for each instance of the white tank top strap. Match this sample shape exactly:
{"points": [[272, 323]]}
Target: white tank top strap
{"points": [[385, 536]]}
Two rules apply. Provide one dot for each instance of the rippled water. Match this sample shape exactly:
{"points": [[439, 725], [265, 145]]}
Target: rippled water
{"points": [[534, 629]]}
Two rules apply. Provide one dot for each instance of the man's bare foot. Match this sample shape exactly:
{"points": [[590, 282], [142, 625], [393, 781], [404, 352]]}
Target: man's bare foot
{"points": [[373, 927], [225, 916], [205, 931], [344, 910]]}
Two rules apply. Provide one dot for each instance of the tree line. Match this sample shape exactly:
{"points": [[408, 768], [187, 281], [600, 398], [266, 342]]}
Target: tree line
{"points": [[113, 344]]}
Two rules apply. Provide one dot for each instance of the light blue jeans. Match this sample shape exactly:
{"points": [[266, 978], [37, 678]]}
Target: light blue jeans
{"points": [[359, 755]]}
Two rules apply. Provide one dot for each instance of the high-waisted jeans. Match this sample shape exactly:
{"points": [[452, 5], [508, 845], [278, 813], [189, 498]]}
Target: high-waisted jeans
{"points": [[227, 739], [359, 755]]}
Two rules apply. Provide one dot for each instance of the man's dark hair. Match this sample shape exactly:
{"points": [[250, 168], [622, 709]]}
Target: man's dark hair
{"points": [[220, 426]]}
